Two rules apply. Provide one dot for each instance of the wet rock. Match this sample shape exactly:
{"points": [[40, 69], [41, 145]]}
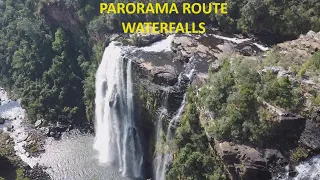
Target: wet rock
{"points": [[38, 123], [273, 155], [61, 127], [2, 121], [114, 97], [292, 173], [142, 39], [38, 173], [247, 51], [52, 134], [45, 130], [23, 136]]}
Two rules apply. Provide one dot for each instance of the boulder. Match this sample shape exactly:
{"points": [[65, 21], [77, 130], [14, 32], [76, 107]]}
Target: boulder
{"points": [[51, 134], [310, 135], [61, 127], [143, 39], [45, 130], [2, 121], [184, 47], [23, 136], [248, 163], [290, 121], [165, 75], [247, 51], [38, 123], [162, 74]]}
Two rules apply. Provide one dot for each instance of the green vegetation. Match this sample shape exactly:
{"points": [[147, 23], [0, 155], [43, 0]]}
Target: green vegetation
{"points": [[50, 62], [279, 91], [299, 154], [46, 62], [194, 159], [237, 94], [266, 17], [20, 174], [315, 60]]}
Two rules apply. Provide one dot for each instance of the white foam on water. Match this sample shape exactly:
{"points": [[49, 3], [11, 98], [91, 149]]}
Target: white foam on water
{"points": [[160, 46], [15, 114]]}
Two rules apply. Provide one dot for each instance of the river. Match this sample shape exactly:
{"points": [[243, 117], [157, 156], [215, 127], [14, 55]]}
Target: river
{"points": [[71, 158]]}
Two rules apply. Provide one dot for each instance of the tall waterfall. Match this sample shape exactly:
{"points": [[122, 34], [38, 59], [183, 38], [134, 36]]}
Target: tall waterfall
{"points": [[117, 136]]}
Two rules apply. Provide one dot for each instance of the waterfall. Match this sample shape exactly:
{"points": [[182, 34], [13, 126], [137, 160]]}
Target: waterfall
{"points": [[170, 137], [117, 137], [158, 160], [163, 159]]}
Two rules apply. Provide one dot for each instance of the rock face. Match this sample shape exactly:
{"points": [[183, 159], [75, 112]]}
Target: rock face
{"points": [[247, 163], [162, 75], [145, 39], [311, 134], [2, 121]]}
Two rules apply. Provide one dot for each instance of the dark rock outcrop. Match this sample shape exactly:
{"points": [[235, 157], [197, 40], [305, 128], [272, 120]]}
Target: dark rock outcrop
{"points": [[2, 121], [311, 134], [248, 163], [243, 162]]}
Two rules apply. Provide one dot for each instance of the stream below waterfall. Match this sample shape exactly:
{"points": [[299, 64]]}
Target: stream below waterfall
{"points": [[80, 156]]}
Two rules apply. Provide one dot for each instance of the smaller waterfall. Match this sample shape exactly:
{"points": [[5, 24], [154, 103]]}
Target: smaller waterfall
{"points": [[308, 170], [173, 124], [165, 158], [158, 160]]}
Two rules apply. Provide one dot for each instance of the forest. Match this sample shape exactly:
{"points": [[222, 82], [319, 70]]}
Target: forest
{"points": [[50, 50]]}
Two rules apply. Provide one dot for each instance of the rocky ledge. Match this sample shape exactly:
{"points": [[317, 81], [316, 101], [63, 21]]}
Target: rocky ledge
{"points": [[247, 163], [12, 167]]}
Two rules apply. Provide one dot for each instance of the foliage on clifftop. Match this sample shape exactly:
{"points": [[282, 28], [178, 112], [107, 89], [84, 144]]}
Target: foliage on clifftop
{"points": [[46, 63], [194, 158], [237, 95], [50, 50]]}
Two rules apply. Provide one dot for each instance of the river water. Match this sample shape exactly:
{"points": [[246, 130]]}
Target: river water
{"points": [[73, 158]]}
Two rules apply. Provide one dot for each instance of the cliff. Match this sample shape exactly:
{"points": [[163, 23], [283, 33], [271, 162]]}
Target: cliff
{"points": [[294, 135]]}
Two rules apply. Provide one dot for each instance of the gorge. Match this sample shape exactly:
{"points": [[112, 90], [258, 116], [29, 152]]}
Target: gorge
{"points": [[81, 100], [125, 133]]}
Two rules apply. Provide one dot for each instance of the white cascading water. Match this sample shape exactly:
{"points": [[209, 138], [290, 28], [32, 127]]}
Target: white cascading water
{"points": [[308, 170], [165, 158], [117, 137], [158, 160]]}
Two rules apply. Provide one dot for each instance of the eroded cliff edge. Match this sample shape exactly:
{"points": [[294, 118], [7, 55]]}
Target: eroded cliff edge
{"points": [[294, 130]]}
